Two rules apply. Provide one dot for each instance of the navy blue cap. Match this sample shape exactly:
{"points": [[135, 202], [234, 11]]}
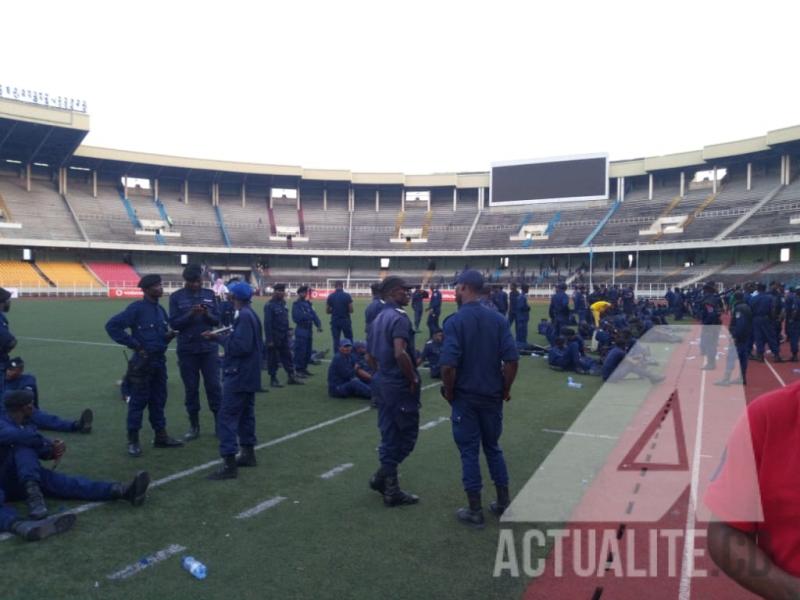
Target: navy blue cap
{"points": [[470, 278], [345, 342], [241, 291]]}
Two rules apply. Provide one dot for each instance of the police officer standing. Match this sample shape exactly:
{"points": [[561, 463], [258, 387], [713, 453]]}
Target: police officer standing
{"points": [[241, 368], [500, 299], [276, 337], [579, 305], [149, 336], [764, 315], [193, 311], [339, 306], [434, 310], [710, 317], [374, 307], [7, 340], [479, 363], [522, 316], [305, 318], [792, 308], [513, 296], [741, 329], [417, 299], [559, 308], [391, 354]]}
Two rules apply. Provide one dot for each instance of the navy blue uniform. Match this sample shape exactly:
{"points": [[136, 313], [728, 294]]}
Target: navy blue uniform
{"points": [[432, 352], [7, 343], [342, 379], [522, 316], [276, 336], [792, 308], [435, 308], [21, 448], [196, 354], [710, 317], [741, 328], [339, 304], [513, 297], [559, 310], [143, 328], [372, 310], [477, 341], [305, 319], [580, 307], [417, 299], [226, 313], [40, 418], [241, 379], [398, 406], [500, 299], [628, 301], [763, 306]]}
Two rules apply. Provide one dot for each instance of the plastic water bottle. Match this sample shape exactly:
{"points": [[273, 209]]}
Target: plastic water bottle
{"points": [[574, 384], [194, 566]]}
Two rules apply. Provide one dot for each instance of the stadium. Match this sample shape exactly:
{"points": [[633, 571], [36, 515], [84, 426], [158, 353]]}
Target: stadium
{"points": [[640, 428]]}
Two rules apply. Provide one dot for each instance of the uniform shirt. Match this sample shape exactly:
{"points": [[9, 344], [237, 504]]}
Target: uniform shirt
{"points": [[558, 357], [772, 425], [512, 302], [500, 299], [476, 343], [25, 435], [792, 307], [762, 305], [436, 303], [7, 340], [241, 367], [432, 352], [741, 325], [26, 381], [372, 310], [339, 302], [391, 323], [523, 310], [276, 321], [147, 322], [711, 310], [191, 326], [341, 370], [578, 301], [304, 315], [627, 299], [416, 299], [613, 295], [614, 357], [559, 306], [226, 313]]}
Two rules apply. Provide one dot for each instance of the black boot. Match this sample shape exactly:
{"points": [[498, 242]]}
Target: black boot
{"points": [[34, 498], [499, 506], [273, 382], [162, 440], [228, 470], [378, 481], [134, 449], [194, 428], [393, 495], [473, 515], [33, 531], [303, 373], [293, 380], [247, 457], [84, 423], [134, 492]]}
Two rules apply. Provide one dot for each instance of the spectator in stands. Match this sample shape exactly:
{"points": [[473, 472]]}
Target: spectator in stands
{"points": [[17, 379], [342, 379], [305, 319], [193, 310], [339, 306], [144, 328]]}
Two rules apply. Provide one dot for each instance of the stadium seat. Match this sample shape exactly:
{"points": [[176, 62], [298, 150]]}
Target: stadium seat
{"points": [[68, 274], [15, 273], [114, 274]]}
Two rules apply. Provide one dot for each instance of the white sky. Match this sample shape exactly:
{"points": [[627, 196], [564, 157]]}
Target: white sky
{"points": [[413, 86]]}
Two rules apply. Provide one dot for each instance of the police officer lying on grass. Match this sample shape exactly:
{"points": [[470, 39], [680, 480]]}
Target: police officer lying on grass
{"points": [[479, 364], [23, 477], [17, 379]]}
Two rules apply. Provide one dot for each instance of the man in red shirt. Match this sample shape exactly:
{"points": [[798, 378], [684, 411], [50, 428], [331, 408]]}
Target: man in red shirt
{"points": [[756, 540]]}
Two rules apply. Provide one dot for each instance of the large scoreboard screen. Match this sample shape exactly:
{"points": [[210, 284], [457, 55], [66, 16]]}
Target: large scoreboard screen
{"points": [[568, 178]]}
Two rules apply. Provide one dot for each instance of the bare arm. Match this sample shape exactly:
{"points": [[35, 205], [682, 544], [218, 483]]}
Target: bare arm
{"points": [[509, 375], [738, 555], [404, 362]]}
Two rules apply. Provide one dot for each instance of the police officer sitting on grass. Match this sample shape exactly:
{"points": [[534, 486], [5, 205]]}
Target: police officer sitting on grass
{"points": [[431, 352], [479, 363], [343, 382], [23, 477], [241, 379], [149, 337], [17, 379]]}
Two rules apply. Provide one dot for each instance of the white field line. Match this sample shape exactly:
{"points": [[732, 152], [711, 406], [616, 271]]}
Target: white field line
{"points": [[336, 470], [261, 507], [434, 423], [147, 561], [589, 435], [687, 567], [774, 372]]}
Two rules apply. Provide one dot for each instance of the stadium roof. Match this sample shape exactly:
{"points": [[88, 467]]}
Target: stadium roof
{"points": [[34, 133]]}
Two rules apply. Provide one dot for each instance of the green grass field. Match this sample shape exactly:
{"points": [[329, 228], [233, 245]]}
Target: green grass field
{"points": [[329, 539]]}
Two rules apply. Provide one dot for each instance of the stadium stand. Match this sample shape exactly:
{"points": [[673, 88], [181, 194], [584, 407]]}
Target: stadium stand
{"points": [[67, 274], [18, 274], [42, 211], [114, 274]]}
